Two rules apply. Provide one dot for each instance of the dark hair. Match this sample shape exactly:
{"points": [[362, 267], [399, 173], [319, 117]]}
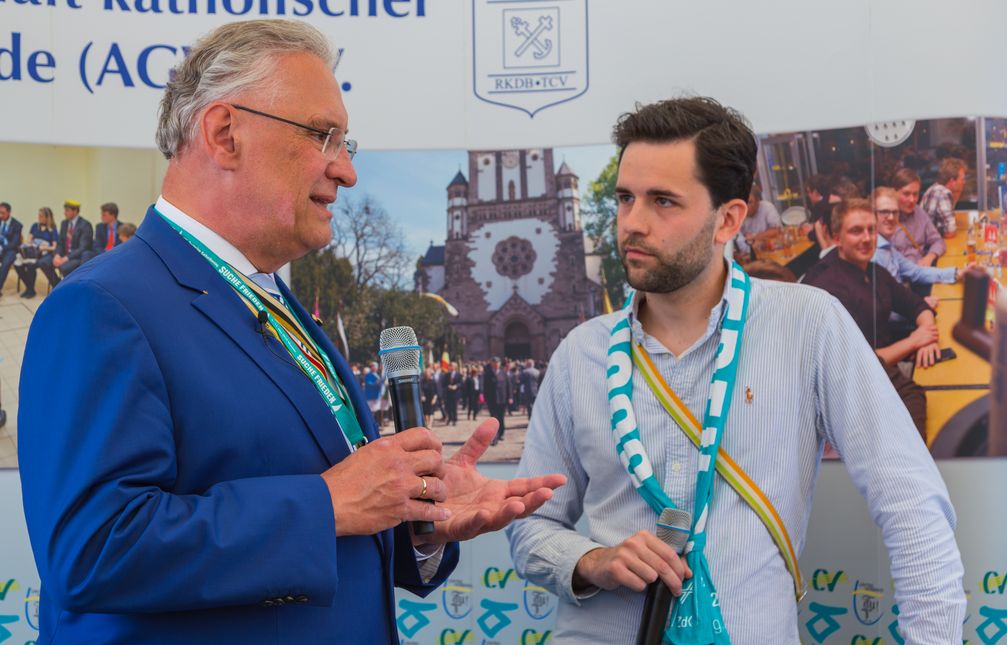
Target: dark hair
{"points": [[819, 184], [725, 143], [903, 177], [110, 207], [844, 188], [845, 207], [5, 205]]}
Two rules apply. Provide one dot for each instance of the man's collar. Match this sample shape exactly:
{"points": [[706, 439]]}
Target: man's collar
{"points": [[716, 313], [212, 240], [883, 242], [839, 261]]}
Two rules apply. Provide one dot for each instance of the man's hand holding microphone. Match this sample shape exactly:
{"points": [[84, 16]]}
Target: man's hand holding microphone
{"points": [[404, 477]]}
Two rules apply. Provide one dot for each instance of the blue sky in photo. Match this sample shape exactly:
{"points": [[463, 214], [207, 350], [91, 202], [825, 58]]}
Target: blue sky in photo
{"points": [[412, 185]]}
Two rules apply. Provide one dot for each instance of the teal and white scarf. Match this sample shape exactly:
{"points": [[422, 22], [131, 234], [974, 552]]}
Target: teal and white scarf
{"points": [[696, 617]]}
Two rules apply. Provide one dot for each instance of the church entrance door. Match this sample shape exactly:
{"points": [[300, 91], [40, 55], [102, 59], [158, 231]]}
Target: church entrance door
{"points": [[517, 341]]}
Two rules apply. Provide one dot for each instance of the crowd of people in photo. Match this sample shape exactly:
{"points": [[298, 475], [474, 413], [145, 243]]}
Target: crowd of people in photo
{"points": [[877, 254], [503, 387], [56, 250]]}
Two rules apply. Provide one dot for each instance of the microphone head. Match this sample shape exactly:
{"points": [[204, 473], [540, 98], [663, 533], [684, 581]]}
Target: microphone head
{"points": [[400, 352], [673, 528]]}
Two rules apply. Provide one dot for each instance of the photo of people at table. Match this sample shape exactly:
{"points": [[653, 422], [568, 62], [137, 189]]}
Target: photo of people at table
{"points": [[891, 228]]}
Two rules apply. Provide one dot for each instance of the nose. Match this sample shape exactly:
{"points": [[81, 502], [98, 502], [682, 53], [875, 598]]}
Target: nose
{"points": [[341, 170], [631, 219]]}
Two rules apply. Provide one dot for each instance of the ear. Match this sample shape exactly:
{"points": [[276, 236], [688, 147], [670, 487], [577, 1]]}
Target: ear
{"points": [[730, 215], [218, 135]]}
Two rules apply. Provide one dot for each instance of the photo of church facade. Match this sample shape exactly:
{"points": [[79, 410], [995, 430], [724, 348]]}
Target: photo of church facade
{"points": [[516, 263]]}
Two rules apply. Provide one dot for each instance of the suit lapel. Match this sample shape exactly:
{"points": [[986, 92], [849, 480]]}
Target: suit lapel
{"points": [[216, 300], [363, 413], [343, 370]]}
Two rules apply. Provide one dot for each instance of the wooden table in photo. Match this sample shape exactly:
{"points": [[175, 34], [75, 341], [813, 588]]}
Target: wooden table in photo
{"points": [[951, 385], [785, 256]]}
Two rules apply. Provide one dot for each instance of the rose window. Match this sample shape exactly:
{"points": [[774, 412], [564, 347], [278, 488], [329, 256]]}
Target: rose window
{"points": [[514, 257]]}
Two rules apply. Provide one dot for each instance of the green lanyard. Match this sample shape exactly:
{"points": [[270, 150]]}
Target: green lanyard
{"points": [[338, 400]]}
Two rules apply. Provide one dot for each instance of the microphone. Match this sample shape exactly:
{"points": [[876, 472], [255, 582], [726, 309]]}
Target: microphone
{"points": [[400, 362], [673, 527], [263, 319]]}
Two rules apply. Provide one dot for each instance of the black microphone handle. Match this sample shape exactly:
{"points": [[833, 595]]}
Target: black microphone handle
{"points": [[648, 611], [407, 412], [656, 607]]}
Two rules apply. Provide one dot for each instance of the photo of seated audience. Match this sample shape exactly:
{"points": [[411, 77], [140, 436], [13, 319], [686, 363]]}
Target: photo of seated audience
{"points": [[902, 268], [762, 223], [940, 199], [40, 246], [10, 240], [76, 236], [57, 252], [105, 233], [915, 237], [870, 294]]}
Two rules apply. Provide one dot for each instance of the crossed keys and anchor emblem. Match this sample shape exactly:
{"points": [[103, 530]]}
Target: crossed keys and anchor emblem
{"points": [[532, 37]]}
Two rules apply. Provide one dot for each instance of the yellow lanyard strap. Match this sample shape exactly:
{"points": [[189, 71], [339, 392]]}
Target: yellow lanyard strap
{"points": [[727, 467]]}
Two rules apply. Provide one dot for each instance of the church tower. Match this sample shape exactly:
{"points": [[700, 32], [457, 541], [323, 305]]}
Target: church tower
{"points": [[458, 200], [569, 198], [514, 262]]}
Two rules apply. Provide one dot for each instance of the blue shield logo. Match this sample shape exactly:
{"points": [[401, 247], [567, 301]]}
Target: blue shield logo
{"points": [[529, 54], [538, 601], [456, 599], [867, 600]]}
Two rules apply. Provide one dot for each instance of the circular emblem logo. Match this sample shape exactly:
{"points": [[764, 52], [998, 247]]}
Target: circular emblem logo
{"points": [[867, 600], [538, 602]]}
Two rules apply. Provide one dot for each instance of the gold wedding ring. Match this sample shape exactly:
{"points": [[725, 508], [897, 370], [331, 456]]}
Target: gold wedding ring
{"points": [[423, 493]]}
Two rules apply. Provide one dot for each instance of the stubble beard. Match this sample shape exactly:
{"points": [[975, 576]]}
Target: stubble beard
{"points": [[672, 273]]}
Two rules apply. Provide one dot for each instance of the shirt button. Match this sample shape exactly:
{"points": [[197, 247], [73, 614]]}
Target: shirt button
{"points": [[676, 467]]}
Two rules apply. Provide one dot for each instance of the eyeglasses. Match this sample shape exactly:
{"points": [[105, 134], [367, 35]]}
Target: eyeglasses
{"points": [[887, 213], [332, 139]]}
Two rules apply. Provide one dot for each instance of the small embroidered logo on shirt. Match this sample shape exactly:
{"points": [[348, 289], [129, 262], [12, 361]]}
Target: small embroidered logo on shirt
{"points": [[748, 394]]}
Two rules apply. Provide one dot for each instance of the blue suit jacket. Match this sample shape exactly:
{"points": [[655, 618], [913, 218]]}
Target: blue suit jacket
{"points": [[174, 486]]}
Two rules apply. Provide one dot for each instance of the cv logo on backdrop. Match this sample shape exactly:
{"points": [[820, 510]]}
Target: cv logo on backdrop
{"points": [[529, 54]]}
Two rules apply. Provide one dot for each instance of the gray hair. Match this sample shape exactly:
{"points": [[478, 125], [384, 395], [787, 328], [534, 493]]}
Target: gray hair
{"points": [[233, 58]]}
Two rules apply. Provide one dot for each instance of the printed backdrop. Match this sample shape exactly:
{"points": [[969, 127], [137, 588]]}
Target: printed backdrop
{"points": [[472, 75], [849, 602]]}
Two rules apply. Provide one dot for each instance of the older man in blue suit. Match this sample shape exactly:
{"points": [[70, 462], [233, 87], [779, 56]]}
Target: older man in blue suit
{"points": [[210, 472]]}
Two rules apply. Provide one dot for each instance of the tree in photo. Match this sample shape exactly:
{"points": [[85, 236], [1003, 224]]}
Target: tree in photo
{"points": [[365, 234], [599, 208], [359, 278]]}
